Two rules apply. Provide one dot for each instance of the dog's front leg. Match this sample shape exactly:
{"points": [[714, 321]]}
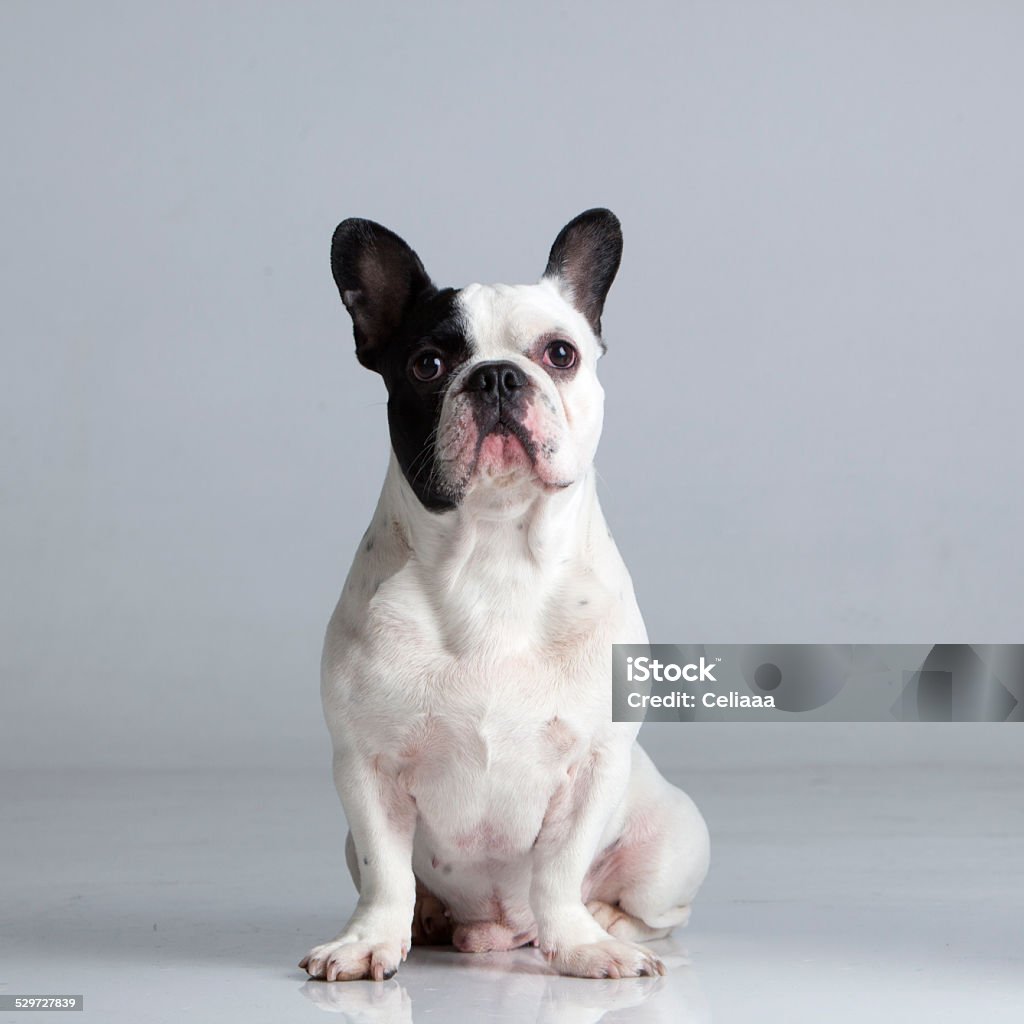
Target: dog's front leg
{"points": [[567, 933], [382, 819]]}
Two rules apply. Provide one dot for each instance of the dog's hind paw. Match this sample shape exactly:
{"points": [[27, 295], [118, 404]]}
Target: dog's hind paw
{"points": [[615, 921], [431, 925]]}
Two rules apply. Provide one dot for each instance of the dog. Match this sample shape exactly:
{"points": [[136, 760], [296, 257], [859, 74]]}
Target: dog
{"points": [[466, 676]]}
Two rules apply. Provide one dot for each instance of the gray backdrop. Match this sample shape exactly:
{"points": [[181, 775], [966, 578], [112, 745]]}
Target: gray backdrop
{"points": [[814, 371]]}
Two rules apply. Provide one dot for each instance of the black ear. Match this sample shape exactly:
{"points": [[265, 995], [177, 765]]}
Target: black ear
{"points": [[379, 277], [584, 260]]}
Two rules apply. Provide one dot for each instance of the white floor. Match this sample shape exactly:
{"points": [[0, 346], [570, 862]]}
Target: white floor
{"points": [[889, 893]]}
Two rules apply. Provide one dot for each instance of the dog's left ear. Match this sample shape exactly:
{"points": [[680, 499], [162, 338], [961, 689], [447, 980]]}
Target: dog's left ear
{"points": [[585, 259]]}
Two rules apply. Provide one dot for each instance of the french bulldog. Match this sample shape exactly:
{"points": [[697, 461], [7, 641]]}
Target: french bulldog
{"points": [[491, 800]]}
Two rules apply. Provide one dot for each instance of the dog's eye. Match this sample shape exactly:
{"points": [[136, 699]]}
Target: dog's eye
{"points": [[427, 365], [559, 354]]}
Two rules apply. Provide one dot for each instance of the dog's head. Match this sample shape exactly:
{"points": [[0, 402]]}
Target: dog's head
{"points": [[492, 389]]}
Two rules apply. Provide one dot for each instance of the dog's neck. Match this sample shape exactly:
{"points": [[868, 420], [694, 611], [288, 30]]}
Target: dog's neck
{"points": [[499, 572], [513, 523]]}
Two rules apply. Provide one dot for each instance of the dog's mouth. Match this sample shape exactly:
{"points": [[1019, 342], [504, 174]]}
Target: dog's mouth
{"points": [[505, 449], [509, 455], [500, 448]]}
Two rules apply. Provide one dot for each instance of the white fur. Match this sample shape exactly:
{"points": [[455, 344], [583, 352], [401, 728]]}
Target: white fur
{"points": [[466, 686]]}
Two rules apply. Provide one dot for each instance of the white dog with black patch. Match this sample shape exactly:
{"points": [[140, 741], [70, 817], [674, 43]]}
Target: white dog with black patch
{"points": [[491, 800]]}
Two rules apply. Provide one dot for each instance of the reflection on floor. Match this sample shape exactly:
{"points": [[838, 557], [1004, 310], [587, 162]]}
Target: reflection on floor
{"points": [[888, 892], [513, 987]]}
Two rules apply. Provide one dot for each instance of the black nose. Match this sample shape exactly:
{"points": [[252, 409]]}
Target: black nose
{"points": [[496, 382]]}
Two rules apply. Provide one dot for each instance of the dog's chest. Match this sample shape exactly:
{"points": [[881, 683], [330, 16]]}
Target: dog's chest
{"points": [[478, 689], [482, 781], [482, 741]]}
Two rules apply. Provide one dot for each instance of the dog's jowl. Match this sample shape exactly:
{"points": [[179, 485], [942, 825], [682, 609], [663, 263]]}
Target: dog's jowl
{"points": [[491, 800]]}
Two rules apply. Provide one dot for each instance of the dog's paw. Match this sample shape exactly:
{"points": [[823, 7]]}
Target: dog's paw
{"points": [[341, 960], [616, 922], [611, 958], [431, 925]]}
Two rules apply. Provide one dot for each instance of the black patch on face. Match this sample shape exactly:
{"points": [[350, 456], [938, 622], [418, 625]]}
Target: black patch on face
{"points": [[433, 323], [397, 313]]}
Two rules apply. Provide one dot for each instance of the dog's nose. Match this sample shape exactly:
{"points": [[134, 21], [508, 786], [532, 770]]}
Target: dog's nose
{"points": [[496, 382]]}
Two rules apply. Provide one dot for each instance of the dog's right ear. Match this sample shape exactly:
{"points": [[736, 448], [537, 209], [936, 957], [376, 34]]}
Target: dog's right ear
{"points": [[379, 277]]}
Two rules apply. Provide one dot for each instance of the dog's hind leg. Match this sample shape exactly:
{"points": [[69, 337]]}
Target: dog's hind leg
{"points": [[643, 885]]}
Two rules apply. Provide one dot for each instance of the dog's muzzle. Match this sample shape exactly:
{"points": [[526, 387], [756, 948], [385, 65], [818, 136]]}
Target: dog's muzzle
{"points": [[499, 393]]}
